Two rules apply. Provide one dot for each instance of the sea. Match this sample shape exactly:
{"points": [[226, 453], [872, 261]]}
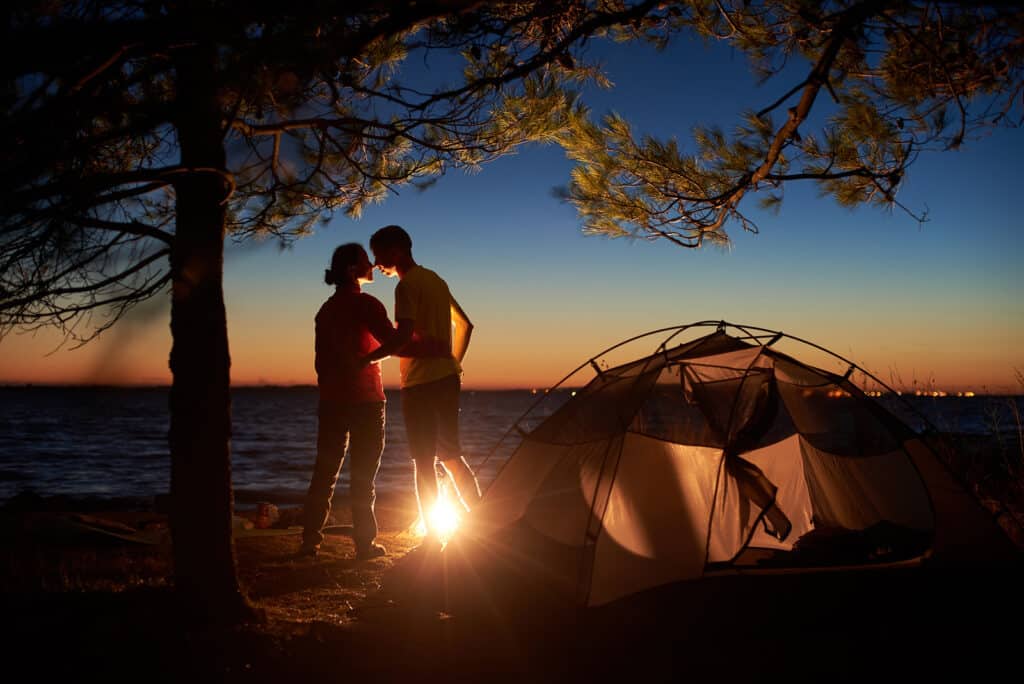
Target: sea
{"points": [[110, 443]]}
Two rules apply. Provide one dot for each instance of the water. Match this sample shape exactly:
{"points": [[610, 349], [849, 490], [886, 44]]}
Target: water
{"points": [[112, 442]]}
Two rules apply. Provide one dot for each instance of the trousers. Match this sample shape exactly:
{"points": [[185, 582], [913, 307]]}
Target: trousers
{"points": [[359, 430]]}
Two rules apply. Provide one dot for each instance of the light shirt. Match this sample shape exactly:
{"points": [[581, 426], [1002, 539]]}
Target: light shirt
{"points": [[423, 297]]}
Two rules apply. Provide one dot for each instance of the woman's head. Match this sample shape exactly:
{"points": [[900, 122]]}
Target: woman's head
{"points": [[349, 264]]}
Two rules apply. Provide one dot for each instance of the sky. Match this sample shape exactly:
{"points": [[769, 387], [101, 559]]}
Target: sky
{"points": [[936, 305]]}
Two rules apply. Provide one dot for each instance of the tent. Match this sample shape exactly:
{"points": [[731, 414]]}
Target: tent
{"points": [[723, 454]]}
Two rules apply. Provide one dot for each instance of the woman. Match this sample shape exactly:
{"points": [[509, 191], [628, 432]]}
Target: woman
{"points": [[349, 325]]}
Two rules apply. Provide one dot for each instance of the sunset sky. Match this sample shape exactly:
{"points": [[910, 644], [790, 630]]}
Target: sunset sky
{"points": [[939, 303]]}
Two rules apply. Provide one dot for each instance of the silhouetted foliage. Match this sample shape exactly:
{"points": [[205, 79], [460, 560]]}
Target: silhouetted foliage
{"points": [[900, 77], [320, 110], [144, 133]]}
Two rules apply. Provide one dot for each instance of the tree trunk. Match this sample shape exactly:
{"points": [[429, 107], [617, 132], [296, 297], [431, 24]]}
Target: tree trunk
{"points": [[200, 402]]}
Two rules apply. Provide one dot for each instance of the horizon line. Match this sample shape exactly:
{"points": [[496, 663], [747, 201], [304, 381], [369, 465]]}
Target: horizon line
{"points": [[949, 394], [249, 385]]}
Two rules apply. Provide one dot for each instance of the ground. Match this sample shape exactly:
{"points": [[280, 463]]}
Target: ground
{"points": [[89, 607]]}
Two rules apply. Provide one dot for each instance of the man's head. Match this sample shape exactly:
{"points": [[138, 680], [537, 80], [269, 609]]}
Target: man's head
{"points": [[392, 248]]}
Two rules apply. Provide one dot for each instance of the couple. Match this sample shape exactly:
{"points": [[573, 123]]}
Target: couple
{"points": [[353, 333]]}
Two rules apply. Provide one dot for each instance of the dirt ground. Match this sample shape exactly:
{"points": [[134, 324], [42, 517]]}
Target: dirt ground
{"points": [[90, 607]]}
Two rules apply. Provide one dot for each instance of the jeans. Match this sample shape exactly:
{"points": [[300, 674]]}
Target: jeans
{"points": [[360, 429], [431, 413]]}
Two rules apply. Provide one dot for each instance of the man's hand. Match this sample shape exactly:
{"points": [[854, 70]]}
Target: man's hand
{"points": [[403, 333]]}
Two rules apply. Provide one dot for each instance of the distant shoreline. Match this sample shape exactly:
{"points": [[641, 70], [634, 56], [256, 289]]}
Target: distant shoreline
{"points": [[950, 394]]}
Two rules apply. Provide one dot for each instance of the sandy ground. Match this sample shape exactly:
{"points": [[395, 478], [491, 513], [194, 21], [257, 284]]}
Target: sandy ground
{"points": [[89, 607]]}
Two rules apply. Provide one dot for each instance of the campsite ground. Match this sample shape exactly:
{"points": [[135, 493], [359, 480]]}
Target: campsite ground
{"points": [[91, 608], [85, 606]]}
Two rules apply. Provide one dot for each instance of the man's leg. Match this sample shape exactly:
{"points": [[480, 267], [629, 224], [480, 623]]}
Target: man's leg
{"points": [[331, 442], [446, 402], [421, 433], [366, 447]]}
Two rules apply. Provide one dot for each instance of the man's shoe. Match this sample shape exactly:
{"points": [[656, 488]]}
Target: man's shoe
{"points": [[373, 550]]}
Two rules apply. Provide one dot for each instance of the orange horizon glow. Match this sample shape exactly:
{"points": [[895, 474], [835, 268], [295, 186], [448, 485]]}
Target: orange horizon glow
{"points": [[497, 360], [500, 358]]}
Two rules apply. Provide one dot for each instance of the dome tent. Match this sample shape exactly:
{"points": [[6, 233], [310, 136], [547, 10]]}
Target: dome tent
{"points": [[722, 454]]}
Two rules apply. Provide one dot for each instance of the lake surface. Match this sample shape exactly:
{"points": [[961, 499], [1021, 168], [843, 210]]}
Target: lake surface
{"points": [[112, 442]]}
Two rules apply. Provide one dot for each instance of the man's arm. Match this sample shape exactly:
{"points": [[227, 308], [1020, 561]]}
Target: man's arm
{"points": [[463, 331], [403, 333], [377, 321]]}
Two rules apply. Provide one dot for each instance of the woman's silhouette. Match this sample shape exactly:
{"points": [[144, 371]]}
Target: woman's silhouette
{"points": [[349, 325]]}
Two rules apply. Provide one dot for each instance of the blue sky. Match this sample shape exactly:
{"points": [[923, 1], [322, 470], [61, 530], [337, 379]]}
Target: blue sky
{"points": [[939, 301]]}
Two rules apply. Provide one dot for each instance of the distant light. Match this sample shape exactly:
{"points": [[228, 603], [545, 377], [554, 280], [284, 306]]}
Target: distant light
{"points": [[573, 393], [968, 394]]}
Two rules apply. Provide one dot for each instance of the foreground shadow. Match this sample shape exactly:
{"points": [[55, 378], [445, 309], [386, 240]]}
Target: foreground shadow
{"points": [[468, 616], [461, 616]]}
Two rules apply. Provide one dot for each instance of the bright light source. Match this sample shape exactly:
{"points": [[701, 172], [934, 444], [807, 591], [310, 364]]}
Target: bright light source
{"points": [[444, 517]]}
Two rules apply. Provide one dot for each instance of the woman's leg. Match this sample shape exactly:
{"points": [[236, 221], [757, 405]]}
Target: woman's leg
{"points": [[365, 449], [331, 442]]}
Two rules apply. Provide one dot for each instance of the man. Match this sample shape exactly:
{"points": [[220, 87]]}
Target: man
{"points": [[350, 324], [430, 363]]}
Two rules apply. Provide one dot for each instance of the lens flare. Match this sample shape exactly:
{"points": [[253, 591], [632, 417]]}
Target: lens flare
{"points": [[444, 517]]}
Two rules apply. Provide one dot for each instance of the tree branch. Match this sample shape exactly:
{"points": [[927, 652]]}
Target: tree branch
{"points": [[847, 23]]}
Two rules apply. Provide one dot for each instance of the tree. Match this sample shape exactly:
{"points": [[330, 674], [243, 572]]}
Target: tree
{"points": [[887, 80], [143, 133]]}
